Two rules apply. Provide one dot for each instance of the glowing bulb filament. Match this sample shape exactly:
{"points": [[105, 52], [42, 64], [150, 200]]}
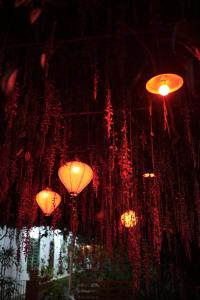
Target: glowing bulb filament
{"points": [[75, 169], [164, 89]]}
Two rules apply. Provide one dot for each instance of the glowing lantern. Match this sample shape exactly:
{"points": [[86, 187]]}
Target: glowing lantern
{"points": [[164, 84], [48, 201], [149, 175], [129, 219], [75, 176]]}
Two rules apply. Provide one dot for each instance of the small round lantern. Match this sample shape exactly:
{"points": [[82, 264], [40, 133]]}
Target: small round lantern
{"points": [[149, 175], [129, 219], [48, 201], [75, 176]]}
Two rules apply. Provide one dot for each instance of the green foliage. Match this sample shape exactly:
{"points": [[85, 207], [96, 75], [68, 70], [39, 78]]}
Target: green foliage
{"points": [[116, 268], [56, 288], [46, 273], [99, 266], [33, 255], [7, 259], [59, 284], [8, 286]]}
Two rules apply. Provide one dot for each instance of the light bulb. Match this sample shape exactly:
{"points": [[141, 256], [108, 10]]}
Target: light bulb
{"points": [[164, 89], [75, 169], [45, 194], [152, 175], [145, 175]]}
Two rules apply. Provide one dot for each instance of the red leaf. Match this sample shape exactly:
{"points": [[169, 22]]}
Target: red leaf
{"points": [[8, 82], [197, 53], [27, 156], [34, 15], [43, 59], [19, 152], [19, 3], [11, 81], [100, 216]]}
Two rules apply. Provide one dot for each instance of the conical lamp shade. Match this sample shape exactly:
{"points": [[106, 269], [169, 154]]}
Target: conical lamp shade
{"points": [[75, 176], [48, 201], [171, 81]]}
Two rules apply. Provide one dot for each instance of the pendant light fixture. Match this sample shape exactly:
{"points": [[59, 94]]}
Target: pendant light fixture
{"points": [[48, 201], [149, 175], [163, 85]]}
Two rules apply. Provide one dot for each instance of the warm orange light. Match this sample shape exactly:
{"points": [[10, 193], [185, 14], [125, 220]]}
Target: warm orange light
{"points": [[76, 169], [152, 175], [164, 84], [48, 201], [147, 175], [129, 219], [164, 89], [75, 176]]}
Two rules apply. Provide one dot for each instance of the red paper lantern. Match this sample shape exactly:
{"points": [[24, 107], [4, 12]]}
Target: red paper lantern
{"points": [[75, 175], [48, 201]]}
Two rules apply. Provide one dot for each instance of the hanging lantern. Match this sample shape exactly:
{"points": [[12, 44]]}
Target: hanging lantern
{"points": [[149, 175], [129, 219], [164, 84], [48, 201], [75, 176]]}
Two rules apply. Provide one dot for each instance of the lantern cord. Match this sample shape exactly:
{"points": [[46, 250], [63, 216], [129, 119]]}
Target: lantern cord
{"points": [[49, 181], [74, 215], [131, 148], [151, 133], [72, 248], [166, 124]]}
